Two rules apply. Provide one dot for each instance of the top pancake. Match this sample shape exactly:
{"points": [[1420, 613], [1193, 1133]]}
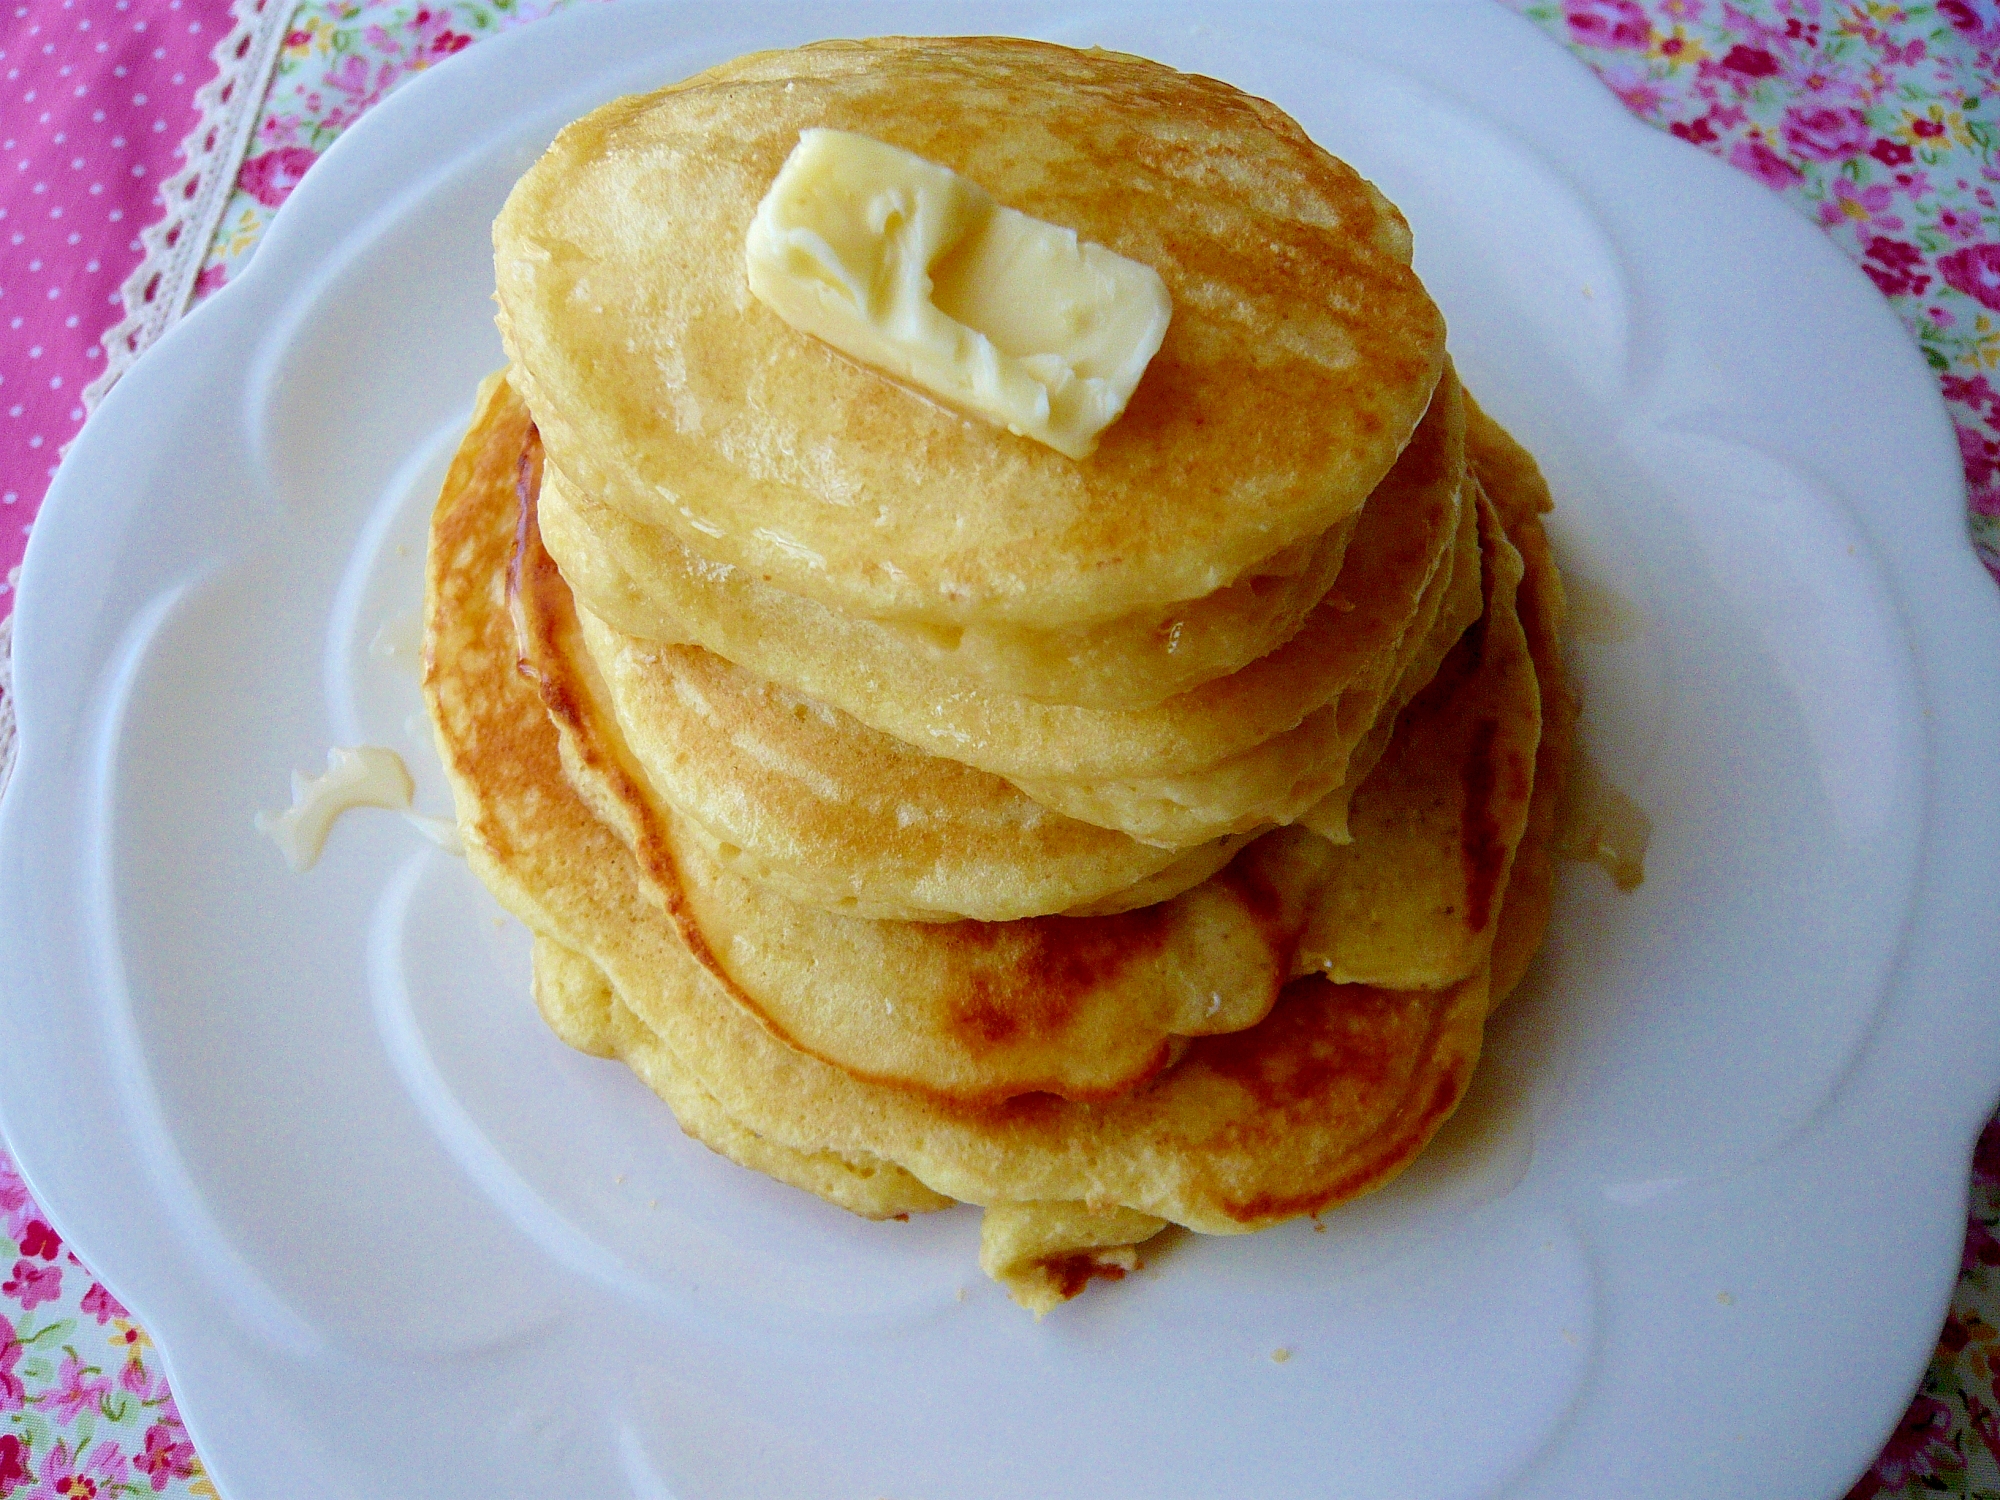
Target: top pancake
{"points": [[1301, 354]]}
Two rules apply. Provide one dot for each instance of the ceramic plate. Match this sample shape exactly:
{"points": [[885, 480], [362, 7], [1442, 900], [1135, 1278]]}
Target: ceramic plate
{"points": [[1692, 1234]]}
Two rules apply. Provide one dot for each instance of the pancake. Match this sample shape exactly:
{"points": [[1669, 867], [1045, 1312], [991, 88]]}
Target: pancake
{"points": [[1449, 611], [1044, 1253], [659, 590], [1291, 774], [576, 1000], [1075, 1006], [928, 817], [1205, 764], [1331, 1094], [1335, 1091], [1412, 902], [801, 798], [1301, 354], [806, 800], [1512, 478]]}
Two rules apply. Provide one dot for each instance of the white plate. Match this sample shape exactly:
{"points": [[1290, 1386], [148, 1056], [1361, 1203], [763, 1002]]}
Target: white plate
{"points": [[1692, 1235]]}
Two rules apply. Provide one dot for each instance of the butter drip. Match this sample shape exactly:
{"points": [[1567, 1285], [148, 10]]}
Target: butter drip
{"points": [[365, 776], [1599, 824], [907, 266]]}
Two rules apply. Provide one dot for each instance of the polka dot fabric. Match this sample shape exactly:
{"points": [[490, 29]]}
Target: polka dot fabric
{"points": [[96, 97]]}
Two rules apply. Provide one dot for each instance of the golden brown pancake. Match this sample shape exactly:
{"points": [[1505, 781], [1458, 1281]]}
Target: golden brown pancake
{"points": [[576, 1000], [1256, 747], [1079, 1006], [801, 798], [1301, 354], [1045, 1253], [808, 801], [1414, 900], [826, 671], [1333, 1092], [660, 590], [1514, 481]]}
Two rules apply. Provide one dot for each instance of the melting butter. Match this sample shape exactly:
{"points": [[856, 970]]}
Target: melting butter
{"points": [[1599, 824], [907, 266], [365, 776], [440, 831]]}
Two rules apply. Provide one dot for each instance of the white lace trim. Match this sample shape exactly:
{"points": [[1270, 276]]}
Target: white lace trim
{"points": [[193, 199], [192, 202]]}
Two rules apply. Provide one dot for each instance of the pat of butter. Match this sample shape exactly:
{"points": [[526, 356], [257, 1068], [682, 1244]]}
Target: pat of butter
{"points": [[907, 266]]}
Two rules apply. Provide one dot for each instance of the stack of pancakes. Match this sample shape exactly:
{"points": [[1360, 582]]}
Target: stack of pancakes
{"points": [[928, 816]]}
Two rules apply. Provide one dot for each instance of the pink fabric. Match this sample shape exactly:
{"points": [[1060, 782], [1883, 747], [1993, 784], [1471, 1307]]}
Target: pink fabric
{"points": [[95, 99]]}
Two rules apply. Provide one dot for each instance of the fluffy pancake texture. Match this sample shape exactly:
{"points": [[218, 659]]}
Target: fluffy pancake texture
{"points": [[1302, 351], [657, 589], [797, 796], [1255, 747], [930, 818], [1338, 1088]]}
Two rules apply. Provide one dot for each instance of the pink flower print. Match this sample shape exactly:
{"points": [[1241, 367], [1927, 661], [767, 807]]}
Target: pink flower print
{"points": [[78, 1387], [39, 1239], [1609, 23], [1982, 31], [168, 1455], [1697, 132], [1891, 153], [1975, 271], [1975, 392], [1826, 132], [13, 1395], [32, 1285], [1892, 266], [379, 39], [434, 36], [1962, 227], [1638, 92], [1985, 1155], [1915, 185], [13, 1464], [1981, 1249], [271, 177], [1918, 1445], [1985, 1423], [64, 1479], [1751, 62], [1859, 205], [1979, 453], [1761, 162], [211, 280], [16, 1207], [149, 1386], [1798, 29]]}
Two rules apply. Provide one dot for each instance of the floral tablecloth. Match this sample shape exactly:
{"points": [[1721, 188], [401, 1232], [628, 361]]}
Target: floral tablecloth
{"points": [[145, 145]]}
